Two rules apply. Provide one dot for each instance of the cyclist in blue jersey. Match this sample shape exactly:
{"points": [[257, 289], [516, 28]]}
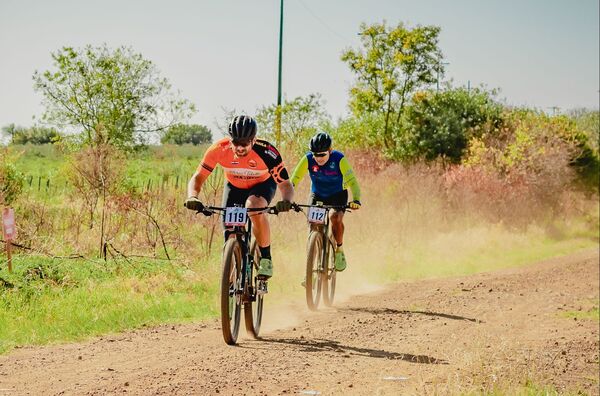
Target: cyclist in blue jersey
{"points": [[330, 174]]}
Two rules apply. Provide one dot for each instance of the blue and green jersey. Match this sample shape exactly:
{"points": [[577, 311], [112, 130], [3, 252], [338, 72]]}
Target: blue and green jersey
{"points": [[331, 178]]}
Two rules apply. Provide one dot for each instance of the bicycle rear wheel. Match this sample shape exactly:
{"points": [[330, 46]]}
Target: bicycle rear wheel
{"points": [[253, 310], [328, 276], [231, 302], [314, 257]]}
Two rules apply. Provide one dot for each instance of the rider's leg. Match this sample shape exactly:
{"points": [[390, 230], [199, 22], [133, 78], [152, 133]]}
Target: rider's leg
{"points": [[337, 228], [336, 218], [260, 197], [262, 233], [260, 223], [337, 225]]}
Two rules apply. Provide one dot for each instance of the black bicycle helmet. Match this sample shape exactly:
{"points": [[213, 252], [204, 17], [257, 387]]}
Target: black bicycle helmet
{"points": [[320, 142], [242, 128]]}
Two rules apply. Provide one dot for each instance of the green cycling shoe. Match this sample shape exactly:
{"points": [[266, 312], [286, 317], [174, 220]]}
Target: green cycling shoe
{"points": [[340, 261], [265, 268]]}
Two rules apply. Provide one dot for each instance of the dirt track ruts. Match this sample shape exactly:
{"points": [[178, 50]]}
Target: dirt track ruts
{"points": [[441, 336]]}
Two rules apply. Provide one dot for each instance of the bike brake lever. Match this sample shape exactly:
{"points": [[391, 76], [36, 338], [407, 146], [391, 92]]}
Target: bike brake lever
{"points": [[206, 212]]}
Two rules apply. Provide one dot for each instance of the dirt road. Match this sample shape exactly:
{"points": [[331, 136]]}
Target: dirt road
{"points": [[443, 336]]}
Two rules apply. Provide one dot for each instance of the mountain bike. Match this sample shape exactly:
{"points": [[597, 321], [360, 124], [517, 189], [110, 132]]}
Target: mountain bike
{"points": [[239, 284], [320, 256]]}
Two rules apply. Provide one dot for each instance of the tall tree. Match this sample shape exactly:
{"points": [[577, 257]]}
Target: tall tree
{"points": [[109, 96], [300, 117], [392, 64]]}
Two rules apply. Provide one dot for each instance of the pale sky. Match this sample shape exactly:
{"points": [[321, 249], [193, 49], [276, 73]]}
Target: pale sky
{"points": [[223, 53]]}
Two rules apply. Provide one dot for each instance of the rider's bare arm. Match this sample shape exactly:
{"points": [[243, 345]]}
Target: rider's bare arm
{"points": [[196, 182], [205, 168], [287, 190]]}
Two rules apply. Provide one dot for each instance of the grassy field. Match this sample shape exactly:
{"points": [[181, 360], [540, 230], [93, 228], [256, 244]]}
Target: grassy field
{"points": [[46, 168], [403, 232]]}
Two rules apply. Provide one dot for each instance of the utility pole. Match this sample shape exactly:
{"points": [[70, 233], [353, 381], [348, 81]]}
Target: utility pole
{"points": [[437, 84], [278, 110], [555, 110]]}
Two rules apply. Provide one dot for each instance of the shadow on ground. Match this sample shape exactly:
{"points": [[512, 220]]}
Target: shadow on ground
{"points": [[324, 345], [389, 311]]}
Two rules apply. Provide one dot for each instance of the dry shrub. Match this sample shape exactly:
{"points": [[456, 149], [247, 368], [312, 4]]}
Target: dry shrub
{"points": [[96, 172], [523, 172], [478, 192], [532, 186], [367, 161]]}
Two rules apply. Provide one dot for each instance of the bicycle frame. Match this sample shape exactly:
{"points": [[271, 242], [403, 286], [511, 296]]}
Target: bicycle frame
{"points": [[244, 236], [327, 237], [239, 287], [321, 275]]}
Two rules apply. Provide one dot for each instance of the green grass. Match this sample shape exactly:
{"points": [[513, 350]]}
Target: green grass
{"points": [[47, 301], [528, 389], [591, 314]]}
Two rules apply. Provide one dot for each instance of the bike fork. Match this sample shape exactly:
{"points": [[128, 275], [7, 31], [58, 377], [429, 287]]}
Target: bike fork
{"points": [[324, 263]]}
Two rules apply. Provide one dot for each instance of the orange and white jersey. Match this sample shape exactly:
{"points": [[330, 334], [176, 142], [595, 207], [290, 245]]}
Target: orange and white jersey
{"points": [[261, 163]]}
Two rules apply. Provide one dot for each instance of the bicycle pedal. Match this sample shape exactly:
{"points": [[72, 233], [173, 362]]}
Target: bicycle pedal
{"points": [[262, 288]]}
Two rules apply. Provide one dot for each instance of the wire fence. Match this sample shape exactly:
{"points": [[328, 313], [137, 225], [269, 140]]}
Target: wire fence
{"points": [[49, 185]]}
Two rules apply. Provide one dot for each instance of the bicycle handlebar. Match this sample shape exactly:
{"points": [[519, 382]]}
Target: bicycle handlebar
{"points": [[298, 206], [211, 210]]}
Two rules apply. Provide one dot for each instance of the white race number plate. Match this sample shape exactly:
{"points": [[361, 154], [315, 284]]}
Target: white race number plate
{"points": [[316, 215], [235, 216]]}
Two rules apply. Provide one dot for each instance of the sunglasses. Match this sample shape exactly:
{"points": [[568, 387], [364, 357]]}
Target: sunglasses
{"points": [[319, 155], [241, 143]]}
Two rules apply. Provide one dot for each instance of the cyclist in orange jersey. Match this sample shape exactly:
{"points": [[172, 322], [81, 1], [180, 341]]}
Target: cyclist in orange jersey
{"points": [[253, 170]]}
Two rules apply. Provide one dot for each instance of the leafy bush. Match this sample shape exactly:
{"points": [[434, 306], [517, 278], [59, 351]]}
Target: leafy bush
{"points": [[358, 133], [187, 134], [588, 122], [33, 135], [586, 137], [11, 180], [535, 151], [440, 124]]}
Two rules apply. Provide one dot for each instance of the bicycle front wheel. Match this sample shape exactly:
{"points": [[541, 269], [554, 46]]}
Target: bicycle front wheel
{"points": [[253, 309], [328, 276], [231, 302], [314, 257]]}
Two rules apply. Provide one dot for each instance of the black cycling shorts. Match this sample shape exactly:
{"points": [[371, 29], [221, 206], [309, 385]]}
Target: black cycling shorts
{"points": [[338, 199], [233, 195]]}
